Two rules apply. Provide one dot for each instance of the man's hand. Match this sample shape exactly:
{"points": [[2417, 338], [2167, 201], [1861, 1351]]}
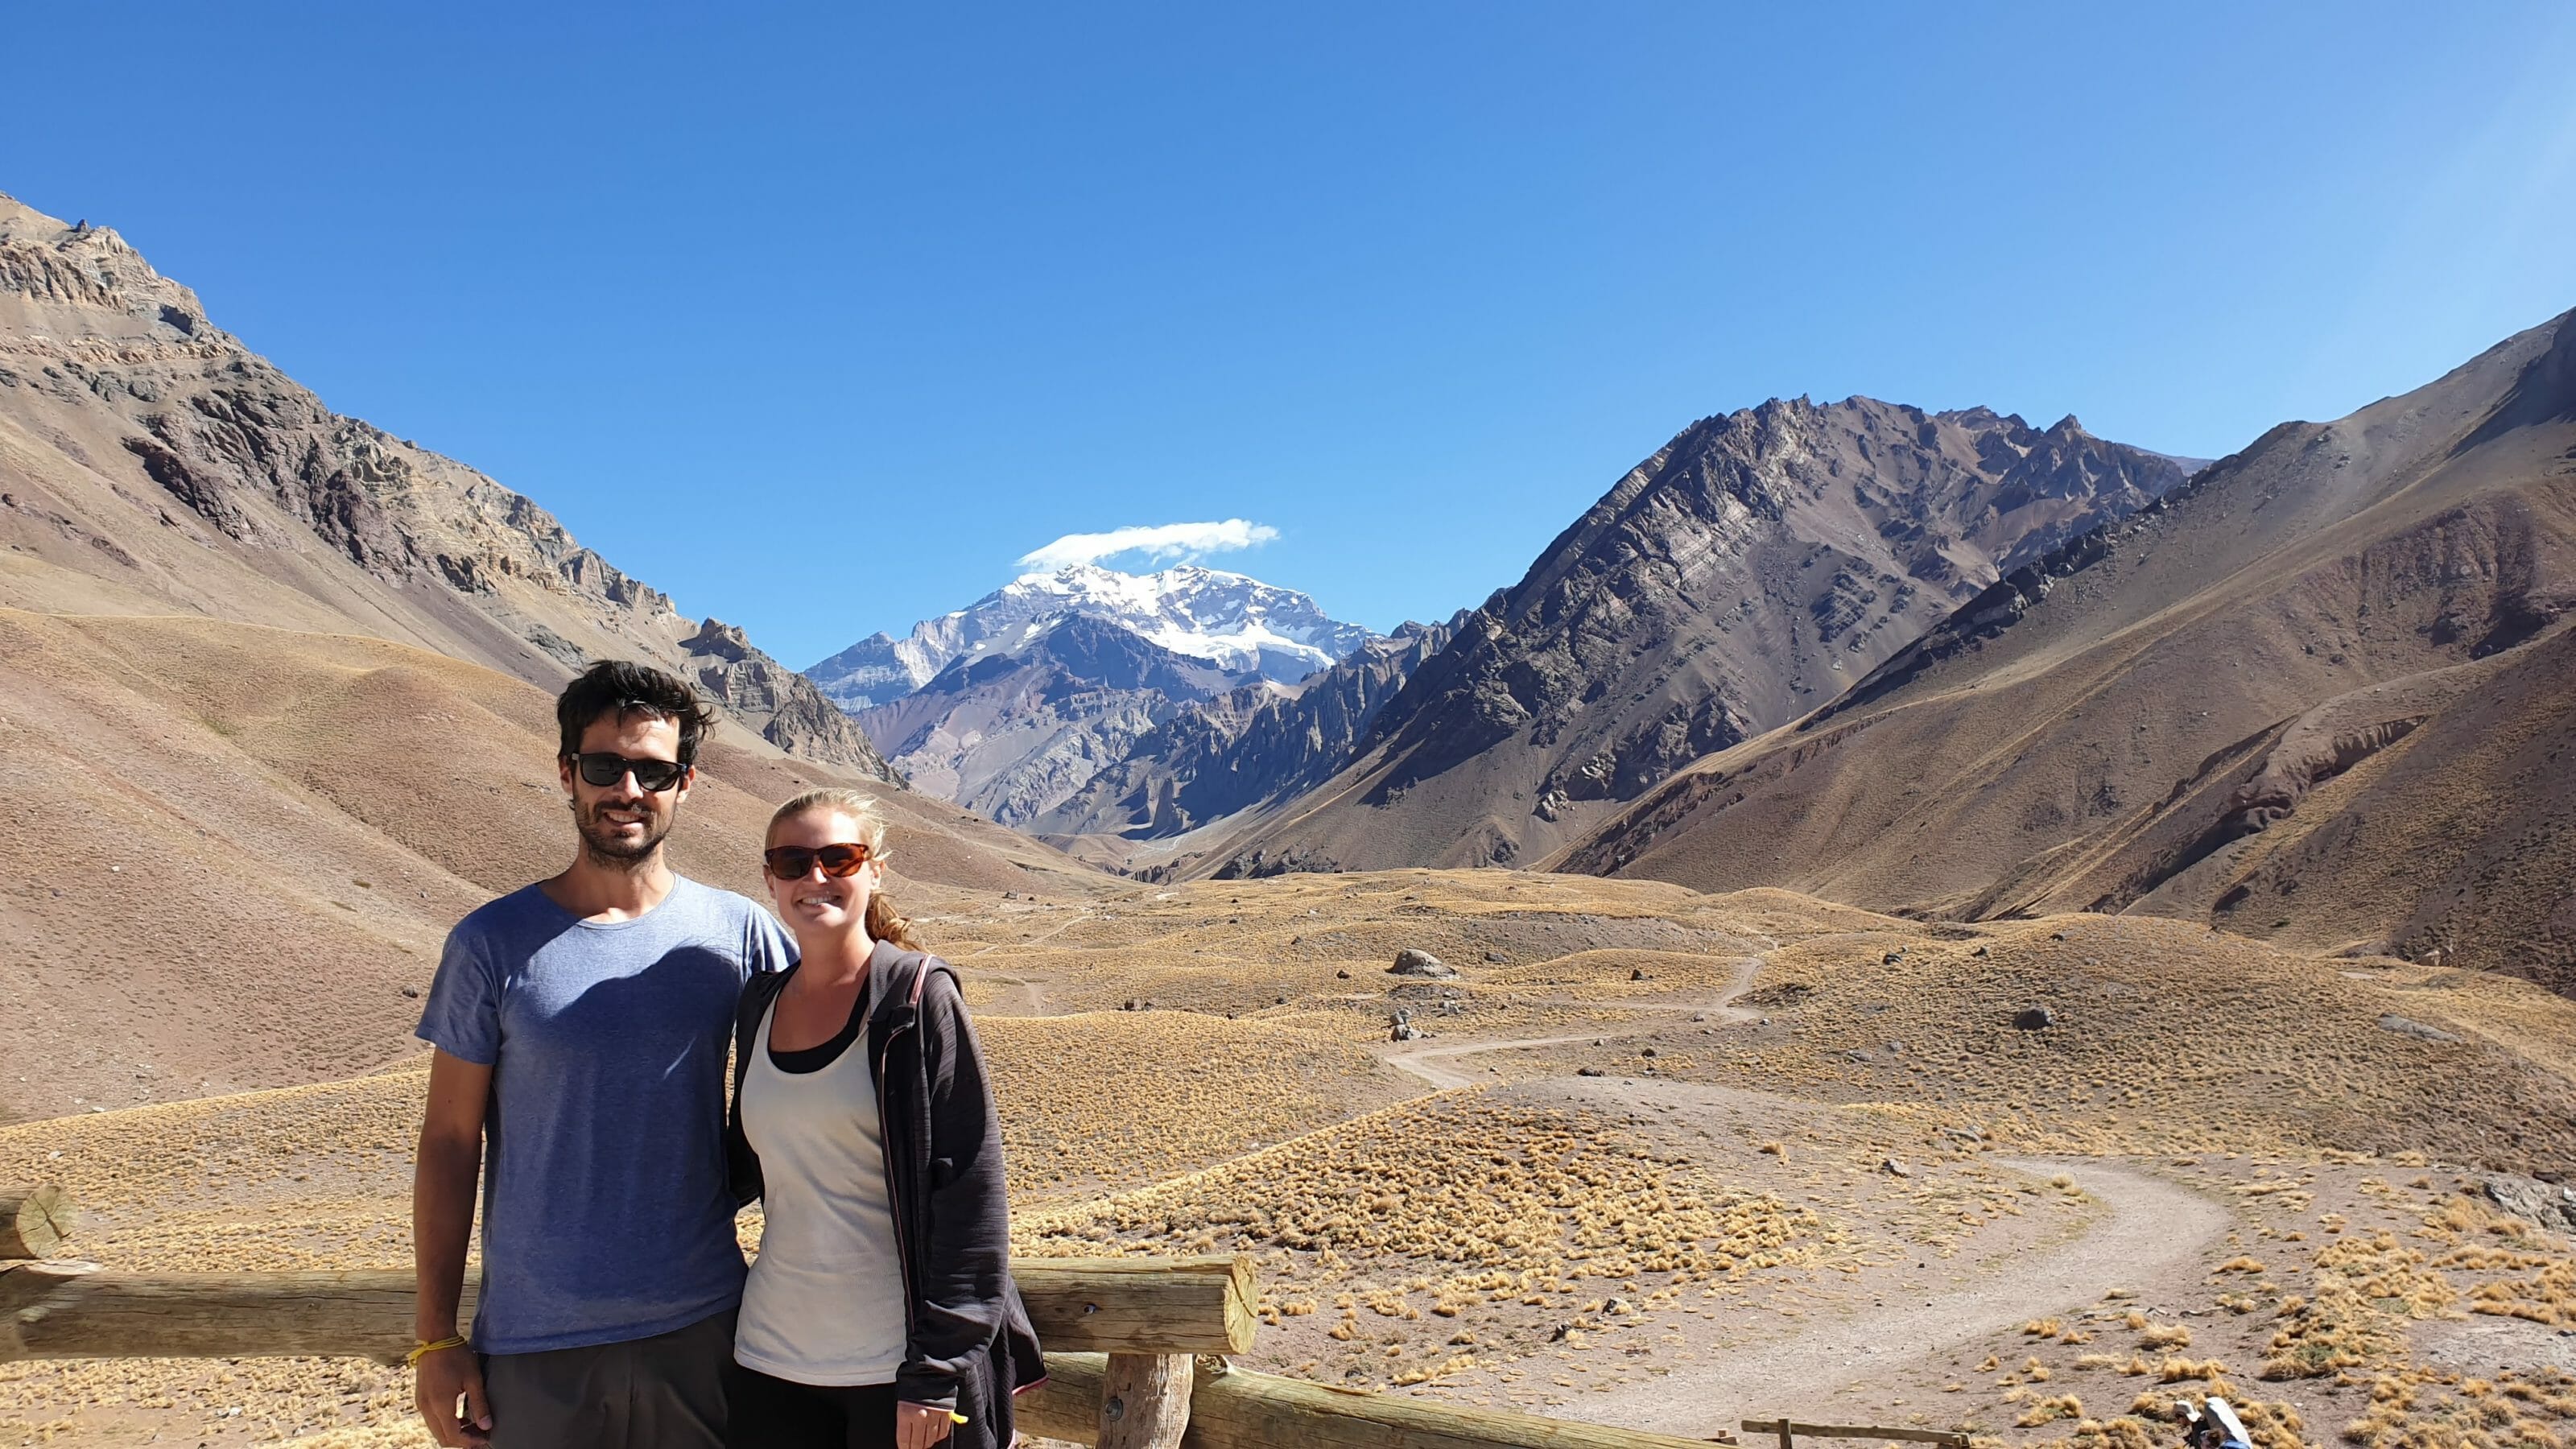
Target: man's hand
{"points": [[918, 1426], [441, 1379]]}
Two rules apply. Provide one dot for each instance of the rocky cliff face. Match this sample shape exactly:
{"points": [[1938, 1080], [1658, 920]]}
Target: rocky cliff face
{"points": [[1748, 571], [155, 464], [1015, 734], [1245, 748]]}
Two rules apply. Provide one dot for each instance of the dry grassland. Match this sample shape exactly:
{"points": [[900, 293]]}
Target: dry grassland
{"points": [[2387, 1310], [2165, 1036], [1830, 1142], [1453, 1207]]}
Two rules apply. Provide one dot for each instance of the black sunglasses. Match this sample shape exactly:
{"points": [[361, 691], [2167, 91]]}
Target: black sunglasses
{"points": [[793, 862], [654, 776]]}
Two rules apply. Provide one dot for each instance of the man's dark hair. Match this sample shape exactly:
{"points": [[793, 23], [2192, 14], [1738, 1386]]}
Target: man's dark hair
{"points": [[627, 690]]}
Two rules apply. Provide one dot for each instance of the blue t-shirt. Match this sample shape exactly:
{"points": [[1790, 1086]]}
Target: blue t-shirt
{"points": [[606, 1216]]}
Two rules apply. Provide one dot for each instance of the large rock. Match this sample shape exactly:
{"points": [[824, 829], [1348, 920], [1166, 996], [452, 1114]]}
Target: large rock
{"points": [[1413, 962], [2551, 1205]]}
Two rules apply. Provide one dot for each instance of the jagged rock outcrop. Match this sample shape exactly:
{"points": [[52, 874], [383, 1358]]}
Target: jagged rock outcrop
{"points": [[1748, 571], [793, 713], [158, 465]]}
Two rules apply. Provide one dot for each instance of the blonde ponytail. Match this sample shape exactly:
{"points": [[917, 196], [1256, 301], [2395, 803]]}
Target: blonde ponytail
{"points": [[882, 922]]}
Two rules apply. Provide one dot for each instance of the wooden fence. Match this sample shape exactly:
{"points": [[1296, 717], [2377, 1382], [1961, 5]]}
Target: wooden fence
{"points": [[1135, 1347]]}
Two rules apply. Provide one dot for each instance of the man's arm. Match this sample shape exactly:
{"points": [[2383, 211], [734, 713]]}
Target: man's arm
{"points": [[442, 1225]]}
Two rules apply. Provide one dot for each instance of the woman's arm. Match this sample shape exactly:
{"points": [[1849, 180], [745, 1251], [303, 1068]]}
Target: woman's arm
{"points": [[965, 1264]]}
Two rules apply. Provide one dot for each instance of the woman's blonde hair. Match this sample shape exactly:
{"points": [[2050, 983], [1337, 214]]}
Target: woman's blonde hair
{"points": [[882, 923]]}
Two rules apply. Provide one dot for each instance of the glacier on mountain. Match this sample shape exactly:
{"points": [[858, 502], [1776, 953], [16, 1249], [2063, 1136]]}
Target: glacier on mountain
{"points": [[1231, 620]]}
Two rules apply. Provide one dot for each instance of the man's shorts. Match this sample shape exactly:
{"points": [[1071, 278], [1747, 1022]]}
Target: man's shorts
{"points": [[663, 1392]]}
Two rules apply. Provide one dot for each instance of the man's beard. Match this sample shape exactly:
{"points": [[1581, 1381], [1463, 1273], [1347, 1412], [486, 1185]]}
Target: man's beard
{"points": [[610, 850]]}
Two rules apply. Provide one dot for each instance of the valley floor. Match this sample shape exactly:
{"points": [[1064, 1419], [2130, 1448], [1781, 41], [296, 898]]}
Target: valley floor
{"points": [[1652, 1159]]}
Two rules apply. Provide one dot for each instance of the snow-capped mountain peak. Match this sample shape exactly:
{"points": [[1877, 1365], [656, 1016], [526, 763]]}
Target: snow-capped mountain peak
{"points": [[1232, 620]]}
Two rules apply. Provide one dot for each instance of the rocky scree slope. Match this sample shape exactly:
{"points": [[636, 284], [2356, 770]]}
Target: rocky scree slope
{"points": [[155, 465], [2324, 696], [1749, 570]]}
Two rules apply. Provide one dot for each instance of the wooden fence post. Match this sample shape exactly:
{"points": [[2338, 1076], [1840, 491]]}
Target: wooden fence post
{"points": [[1145, 1400], [33, 1221]]}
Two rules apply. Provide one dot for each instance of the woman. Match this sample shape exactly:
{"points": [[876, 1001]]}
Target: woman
{"points": [[880, 1311]]}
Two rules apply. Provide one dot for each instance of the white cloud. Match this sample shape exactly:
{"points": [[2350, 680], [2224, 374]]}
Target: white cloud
{"points": [[1159, 542]]}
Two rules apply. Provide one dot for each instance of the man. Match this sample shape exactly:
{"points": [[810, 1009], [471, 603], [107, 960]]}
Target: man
{"points": [[581, 1026]]}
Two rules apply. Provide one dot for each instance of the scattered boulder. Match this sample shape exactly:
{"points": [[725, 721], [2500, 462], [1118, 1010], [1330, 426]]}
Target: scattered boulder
{"points": [[1493, 958], [1979, 952], [1587, 1071], [1341, 976], [2035, 1018], [1412, 961], [1894, 1168], [2408, 1026], [1650, 1051], [1637, 973], [1891, 958], [412, 991], [2551, 1205]]}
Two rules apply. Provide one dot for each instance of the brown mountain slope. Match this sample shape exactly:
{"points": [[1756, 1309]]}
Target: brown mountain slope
{"points": [[228, 849], [2327, 692], [275, 701], [150, 464], [1745, 573]]}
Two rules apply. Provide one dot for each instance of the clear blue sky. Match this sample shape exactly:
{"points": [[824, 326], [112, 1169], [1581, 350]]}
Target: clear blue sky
{"points": [[820, 317]]}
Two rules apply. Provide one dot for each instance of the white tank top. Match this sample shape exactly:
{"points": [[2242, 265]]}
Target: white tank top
{"points": [[825, 1302]]}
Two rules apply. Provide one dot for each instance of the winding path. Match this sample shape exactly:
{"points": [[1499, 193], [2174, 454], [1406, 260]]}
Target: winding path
{"points": [[1420, 1061], [2152, 1229]]}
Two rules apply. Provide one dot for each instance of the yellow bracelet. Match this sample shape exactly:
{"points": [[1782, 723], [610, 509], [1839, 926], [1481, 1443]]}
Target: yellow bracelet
{"points": [[423, 1350]]}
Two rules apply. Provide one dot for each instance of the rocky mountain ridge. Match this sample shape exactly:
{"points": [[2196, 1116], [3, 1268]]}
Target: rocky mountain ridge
{"points": [[155, 463], [1231, 620], [1014, 734], [1243, 749], [2325, 696], [1748, 570]]}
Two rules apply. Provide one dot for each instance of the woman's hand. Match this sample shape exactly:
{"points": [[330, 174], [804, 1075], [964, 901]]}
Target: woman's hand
{"points": [[918, 1426]]}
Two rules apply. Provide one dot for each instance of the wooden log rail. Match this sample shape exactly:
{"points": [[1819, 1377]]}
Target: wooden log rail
{"points": [[1149, 1307], [1786, 1432], [1135, 1348]]}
